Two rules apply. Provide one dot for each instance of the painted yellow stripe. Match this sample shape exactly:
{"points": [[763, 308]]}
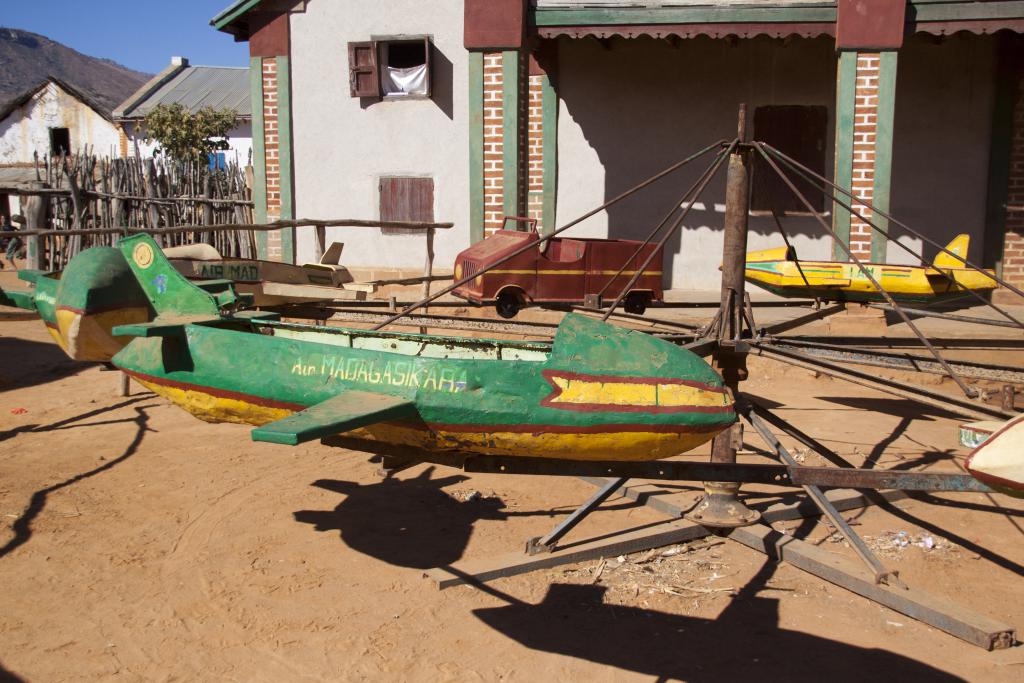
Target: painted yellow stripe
{"points": [[211, 408], [634, 394], [633, 445]]}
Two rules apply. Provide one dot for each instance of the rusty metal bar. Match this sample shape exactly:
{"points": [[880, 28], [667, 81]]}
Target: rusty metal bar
{"points": [[512, 564], [969, 392], [639, 318], [794, 163], [933, 610], [795, 433], [748, 473], [789, 247], [547, 543], [904, 361], [989, 344], [881, 572], [949, 316], [914, 393], [544, 238], [675, 502], [452, 323]]}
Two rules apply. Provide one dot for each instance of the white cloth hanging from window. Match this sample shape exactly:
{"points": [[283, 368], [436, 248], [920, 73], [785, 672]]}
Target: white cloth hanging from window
{"points": [[411, 81]]}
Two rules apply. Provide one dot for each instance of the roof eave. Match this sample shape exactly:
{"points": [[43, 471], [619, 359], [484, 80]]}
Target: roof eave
{"points": [[229, 21]]}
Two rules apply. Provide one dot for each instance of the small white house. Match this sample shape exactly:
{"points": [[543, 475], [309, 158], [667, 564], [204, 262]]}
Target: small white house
{"points": [[54, 117], [193, 87]]}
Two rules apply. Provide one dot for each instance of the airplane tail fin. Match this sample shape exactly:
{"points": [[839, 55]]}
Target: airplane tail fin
{"points": [[167, 290], [958, 246]]}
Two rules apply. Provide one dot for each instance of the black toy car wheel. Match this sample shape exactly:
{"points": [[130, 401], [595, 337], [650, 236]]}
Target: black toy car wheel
{"points": [[636, 302], [508, 304]]}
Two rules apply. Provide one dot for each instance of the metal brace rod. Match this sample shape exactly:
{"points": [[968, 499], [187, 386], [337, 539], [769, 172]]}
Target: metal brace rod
{"points": [[801, 436], [969, 392], [882, 574], [654, 233], [902, 361], [775, 474], [703, 183], [914, 393], [546, 544], [948, 316]]}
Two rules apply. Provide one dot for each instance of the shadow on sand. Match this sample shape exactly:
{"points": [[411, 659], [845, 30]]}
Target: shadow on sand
{"points": [[410, 522], [25, 363], [22, 526], [414, 523], [744, 642]]}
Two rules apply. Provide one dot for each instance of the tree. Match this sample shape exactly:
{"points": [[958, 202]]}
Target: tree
{"points": [[186, 136]]}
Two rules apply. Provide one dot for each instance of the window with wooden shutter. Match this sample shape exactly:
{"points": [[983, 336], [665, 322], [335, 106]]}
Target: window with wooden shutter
{"points": [[391, 67], [363, 70], [404, 198], [799, 132]]}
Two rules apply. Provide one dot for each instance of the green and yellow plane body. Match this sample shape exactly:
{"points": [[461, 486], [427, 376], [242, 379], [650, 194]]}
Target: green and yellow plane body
{"points": [[780, 272], [596, 392]]}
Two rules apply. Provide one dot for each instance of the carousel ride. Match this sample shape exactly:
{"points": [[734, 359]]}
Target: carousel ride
{"points": [[590, 400]]}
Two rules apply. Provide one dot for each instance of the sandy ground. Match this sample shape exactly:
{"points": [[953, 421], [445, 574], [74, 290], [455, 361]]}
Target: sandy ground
{"points": [[137, 543]]}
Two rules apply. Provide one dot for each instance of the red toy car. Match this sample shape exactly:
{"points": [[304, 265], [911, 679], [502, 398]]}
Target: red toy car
{"points": [[559, 271]]}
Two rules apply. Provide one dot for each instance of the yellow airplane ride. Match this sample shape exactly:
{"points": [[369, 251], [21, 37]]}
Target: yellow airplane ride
{"points": [[779, 271]]}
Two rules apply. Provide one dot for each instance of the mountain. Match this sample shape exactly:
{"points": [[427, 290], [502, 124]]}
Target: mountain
{"points": [[27, 58]]}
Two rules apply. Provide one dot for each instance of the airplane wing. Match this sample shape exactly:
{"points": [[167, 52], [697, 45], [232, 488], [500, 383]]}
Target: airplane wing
{"points": [[344, 412]]}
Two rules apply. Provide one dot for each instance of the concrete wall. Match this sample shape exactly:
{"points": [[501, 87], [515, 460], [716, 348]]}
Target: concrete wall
{"points": [[944, 99], [27, 129], [630, 108], [240, 140], [343, 144]]}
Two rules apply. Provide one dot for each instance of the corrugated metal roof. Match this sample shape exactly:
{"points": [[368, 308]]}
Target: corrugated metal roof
{"points": [[195, 87]]}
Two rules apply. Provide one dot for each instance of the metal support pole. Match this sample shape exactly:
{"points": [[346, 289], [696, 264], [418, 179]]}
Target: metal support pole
{"points": [[720, 507]]}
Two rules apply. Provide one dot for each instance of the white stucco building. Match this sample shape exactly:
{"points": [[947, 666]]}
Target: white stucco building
{"points": [[53, 117]]}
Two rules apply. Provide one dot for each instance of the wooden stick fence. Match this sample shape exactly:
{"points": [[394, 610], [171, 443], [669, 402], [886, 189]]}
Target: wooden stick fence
{"points": [[82, 200]]}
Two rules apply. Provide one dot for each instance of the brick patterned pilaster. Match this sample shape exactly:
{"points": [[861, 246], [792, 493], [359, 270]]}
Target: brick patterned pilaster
{"points": [[494, 166], [271, 144], [864, 136], [1013, 244], [535, 150]]}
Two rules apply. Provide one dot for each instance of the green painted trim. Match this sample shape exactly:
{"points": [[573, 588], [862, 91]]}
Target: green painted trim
{"points": [[886, 113], [958, 11], [476, 146], [285, 155], [549, 105], [999, 154], [259, 153], [510, 130], [232, 13], [591, 16], [846, 92]]}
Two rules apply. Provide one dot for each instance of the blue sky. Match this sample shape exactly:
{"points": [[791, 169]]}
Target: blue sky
{"points": [[142, 34]]}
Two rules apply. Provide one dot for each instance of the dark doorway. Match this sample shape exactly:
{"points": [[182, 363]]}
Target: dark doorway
{"points": [[60, 141]]}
